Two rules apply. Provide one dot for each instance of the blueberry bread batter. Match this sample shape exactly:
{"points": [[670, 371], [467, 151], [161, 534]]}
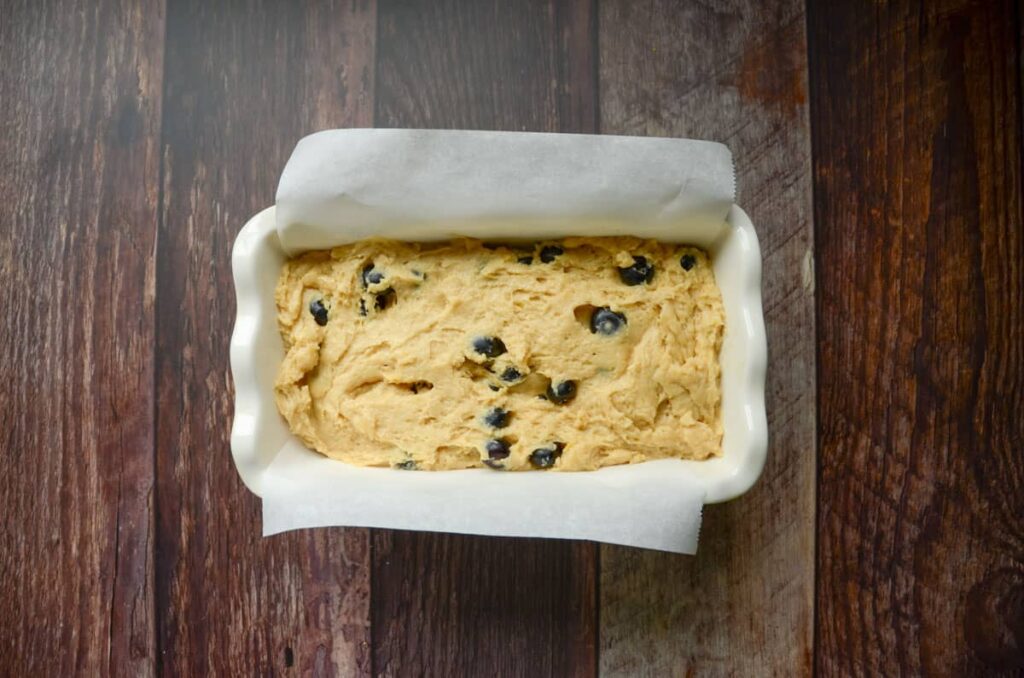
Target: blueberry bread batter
{"points": [[569, 355]]}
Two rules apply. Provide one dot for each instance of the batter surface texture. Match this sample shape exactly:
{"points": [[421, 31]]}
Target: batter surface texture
{"points": [[568, 355]]}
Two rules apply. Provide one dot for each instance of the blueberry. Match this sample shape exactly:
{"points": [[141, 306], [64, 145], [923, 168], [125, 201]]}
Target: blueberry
{"points": [[641, 271], [544, 457], [493, 387], [491, 347], [407, 465], [562, 392], [496, 418], [511, 374], [606, 321], [497, 448], [525, 260], [371, 276], [385, 299], [362, 307], [496, 465], [319, 311], [687, 261], [549, 253]]}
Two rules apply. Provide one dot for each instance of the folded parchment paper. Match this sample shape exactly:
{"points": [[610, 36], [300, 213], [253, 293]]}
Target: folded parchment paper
{"points": [[345, 185]]}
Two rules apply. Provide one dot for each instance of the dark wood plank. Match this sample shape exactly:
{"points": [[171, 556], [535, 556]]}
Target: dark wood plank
{"points": [[733, 72], [457, 64], [921, 310], [79, 132], [244, 81], [448, 605]]}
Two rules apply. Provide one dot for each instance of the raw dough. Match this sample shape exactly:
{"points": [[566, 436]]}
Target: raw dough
{"points": [[403, 386]]}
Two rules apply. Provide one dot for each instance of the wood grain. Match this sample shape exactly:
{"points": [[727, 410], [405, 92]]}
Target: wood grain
{"points": [[449, 605], [244, 81], [733, 72], [921, 307], [128, 544], [79, 129]]}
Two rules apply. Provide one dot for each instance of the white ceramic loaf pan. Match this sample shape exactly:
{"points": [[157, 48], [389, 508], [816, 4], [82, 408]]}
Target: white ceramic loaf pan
{"points": [[344, 185]]}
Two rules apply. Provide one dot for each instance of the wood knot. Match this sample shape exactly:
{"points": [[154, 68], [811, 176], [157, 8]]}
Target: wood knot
{"points": [[994, 620]]}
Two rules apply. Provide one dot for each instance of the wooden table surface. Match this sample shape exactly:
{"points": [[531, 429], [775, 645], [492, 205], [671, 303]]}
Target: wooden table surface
{"points": [[878, 148]]}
